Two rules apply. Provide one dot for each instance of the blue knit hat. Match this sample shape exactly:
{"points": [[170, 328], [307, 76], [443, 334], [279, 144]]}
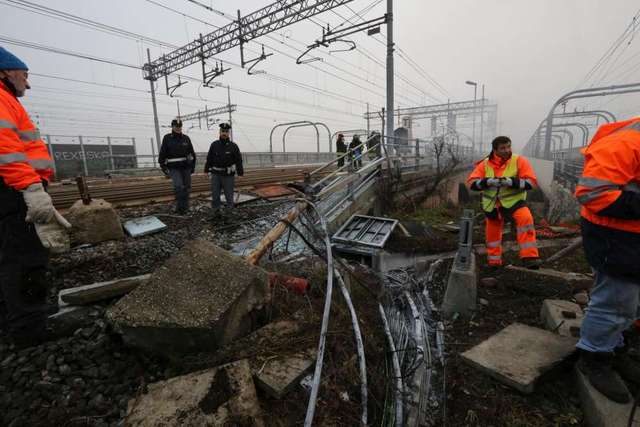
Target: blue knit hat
{"points": [[8, 61]]}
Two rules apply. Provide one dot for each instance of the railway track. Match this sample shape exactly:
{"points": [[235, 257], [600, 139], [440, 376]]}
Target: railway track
{"points": [[118, 192]]}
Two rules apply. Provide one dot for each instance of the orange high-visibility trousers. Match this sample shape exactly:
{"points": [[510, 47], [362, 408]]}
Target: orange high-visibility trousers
{"points": [[525, 235]]}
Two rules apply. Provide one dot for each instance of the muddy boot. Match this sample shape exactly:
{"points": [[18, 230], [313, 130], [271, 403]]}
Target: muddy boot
{"points": [[626, 366], [597, 367], [532, 263]]}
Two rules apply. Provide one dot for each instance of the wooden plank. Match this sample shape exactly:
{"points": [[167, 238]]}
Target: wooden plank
{"points": [[88, 294]]}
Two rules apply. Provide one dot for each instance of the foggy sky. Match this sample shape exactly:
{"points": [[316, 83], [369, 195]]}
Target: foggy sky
{"points": [[527, 53]]}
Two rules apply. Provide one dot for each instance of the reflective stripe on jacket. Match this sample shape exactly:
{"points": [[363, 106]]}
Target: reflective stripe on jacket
{"points": [[24, 158], [506, 197], [611, 167]]}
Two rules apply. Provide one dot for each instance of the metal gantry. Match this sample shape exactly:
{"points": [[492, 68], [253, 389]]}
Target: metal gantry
{"points": [[264, 21]]}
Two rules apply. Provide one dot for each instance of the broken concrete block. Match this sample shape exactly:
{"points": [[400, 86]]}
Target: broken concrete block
{"points": [[89, 294], [575, 280], [139, 227], [221, 396], [561, 317], [279, 375], [461, 294], [202, 298], [599, 411], [519, 355], [95, 222]]}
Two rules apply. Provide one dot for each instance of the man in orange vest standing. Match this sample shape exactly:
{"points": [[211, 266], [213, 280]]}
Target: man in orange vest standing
{"points": [[609, 192], [25, 170], [504, 179]]}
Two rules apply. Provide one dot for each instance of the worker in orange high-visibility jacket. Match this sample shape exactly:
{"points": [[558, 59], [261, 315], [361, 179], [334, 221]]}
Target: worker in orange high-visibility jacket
{"points": [[25, 170], [504, 179], [609, 192]]}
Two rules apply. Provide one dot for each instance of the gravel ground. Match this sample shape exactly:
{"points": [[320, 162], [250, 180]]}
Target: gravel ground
{"points": [[88, 378]]}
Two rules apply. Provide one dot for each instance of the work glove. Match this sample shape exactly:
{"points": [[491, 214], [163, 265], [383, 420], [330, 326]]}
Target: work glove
{"points": [[40, 208], [53, 234], [493, 182], [165, 171], [506, 182]]}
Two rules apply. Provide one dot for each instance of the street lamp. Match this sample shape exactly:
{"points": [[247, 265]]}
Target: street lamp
{"points": [[473, 132]]}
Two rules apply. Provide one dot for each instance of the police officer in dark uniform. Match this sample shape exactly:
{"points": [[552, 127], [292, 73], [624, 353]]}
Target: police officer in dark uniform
{"points": [[341, 149], [224, 161], [178, 160]]}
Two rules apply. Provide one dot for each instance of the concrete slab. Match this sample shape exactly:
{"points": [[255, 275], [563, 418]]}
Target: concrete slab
{"points": [[279, 375], [600, 411], [200, 299], [221, 396], [95, 222], [461, 294], [519, 355], [239, 198], [69, 318], [562, 317], [89, 294], [139, 227]]}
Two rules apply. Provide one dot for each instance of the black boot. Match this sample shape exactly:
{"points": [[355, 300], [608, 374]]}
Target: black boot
{"points": [[626, 366], [597, 367]]}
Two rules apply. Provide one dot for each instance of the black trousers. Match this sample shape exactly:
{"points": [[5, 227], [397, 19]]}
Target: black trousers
{"points": [[181, 178], [23, 267]]}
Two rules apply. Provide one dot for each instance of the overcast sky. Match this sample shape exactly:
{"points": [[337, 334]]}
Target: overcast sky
{"points": [[526, 53]]}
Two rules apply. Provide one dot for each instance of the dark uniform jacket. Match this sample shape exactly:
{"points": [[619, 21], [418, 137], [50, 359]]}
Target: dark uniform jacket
{"points": [[341, 146], [224, 154], [177, 146]]}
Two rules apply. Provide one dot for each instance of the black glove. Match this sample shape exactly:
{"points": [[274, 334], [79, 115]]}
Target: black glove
{"points": [[193, 170], [165, 171]]}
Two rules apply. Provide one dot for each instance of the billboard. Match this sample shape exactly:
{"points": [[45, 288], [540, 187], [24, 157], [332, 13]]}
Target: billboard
{"points": [[70, 159]]}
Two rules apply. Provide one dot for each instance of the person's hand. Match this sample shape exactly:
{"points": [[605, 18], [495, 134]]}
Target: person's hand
{"points": [[40, 208], [493, 182], [506, 182]]}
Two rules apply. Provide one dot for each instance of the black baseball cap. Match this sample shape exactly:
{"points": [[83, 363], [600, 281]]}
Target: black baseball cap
{"points": [[225, 126], [176, 122]]}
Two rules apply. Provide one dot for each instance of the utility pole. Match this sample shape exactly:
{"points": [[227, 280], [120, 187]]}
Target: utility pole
{"points": [[155, 108], [229, 105], [368, 121], [482, 122], [390, 93], [178, 104]]}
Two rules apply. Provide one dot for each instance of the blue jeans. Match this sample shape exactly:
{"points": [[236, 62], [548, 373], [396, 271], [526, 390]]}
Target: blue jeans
{"points": [[181, 178], [224, 183], [612, 309]]}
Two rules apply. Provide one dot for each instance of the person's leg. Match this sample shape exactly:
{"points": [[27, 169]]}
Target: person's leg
{"points": [[493, 237], [612, 309], [23, 264], [186, 181], [216, 186], [525, 233], [228, 184], [178, 186]]}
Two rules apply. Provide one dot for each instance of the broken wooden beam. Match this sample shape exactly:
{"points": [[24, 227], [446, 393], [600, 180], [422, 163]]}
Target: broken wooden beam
{"points": [[88, 294], [275, 233], [575, 280], [572, 247]]}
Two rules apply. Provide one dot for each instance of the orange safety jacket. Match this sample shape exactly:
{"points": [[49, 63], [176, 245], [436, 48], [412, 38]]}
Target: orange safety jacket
{"points": [[24, 158], [611, 167]]}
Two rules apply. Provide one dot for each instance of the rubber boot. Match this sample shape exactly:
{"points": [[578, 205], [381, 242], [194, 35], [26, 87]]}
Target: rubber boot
{"points": [[626, 366], [598, 368]]}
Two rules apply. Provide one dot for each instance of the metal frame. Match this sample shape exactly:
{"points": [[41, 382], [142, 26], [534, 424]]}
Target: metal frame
{"points": [[264, 21], [300, 123], [367, 223], [199, 115], [583, 93]]}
